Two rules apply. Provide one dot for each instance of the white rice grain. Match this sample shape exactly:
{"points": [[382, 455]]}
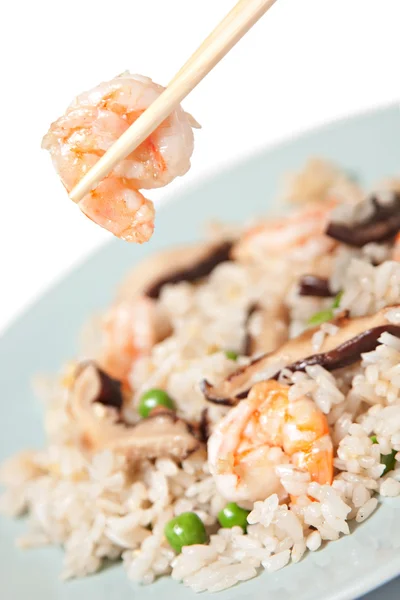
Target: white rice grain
{"points": [[393, 316], [313, 541], [277, 561], [389, 487], [366, 510]]}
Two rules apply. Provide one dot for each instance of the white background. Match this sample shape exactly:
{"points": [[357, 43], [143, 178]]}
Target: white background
{"points": [[306, 62]]}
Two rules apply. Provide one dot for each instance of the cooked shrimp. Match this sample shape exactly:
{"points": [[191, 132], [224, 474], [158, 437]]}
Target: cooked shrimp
{"points": [[92, 123], [260, 433], [130, 330], [301, 234]]}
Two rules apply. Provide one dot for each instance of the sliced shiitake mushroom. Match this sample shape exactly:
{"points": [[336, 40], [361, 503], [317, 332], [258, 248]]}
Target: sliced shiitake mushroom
{"points": [[353, 338], [313, 285], [163, 434], [184, 263], [204, 425], [376, 219], [109, 390]]}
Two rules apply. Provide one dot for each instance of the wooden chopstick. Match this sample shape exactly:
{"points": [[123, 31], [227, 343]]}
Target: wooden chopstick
{"points": [[231, 29], [209, 39]]}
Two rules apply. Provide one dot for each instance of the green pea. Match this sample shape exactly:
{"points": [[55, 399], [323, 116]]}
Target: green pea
{"points": [[185, 530], [338, 297], [321, 317], [232, 515], [389, 461], [153, 398], [231, 354]]}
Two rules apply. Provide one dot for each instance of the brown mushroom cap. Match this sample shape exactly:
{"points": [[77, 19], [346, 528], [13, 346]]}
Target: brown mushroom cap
{"points": [[109, 390], [185, 263], [381, 224], [160, 435], [353, 338], [204, 425], [313, 285]]}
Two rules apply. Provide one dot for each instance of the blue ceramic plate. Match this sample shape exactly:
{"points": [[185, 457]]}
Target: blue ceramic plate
{"points": [[46, 336]]}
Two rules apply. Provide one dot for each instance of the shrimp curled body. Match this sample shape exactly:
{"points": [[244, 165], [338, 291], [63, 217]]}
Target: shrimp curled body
{"points": [[262, 432], [91, 124], [129, 331], [300, 234]]}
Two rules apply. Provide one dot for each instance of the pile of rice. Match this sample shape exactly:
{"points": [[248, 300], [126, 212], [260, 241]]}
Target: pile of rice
{"points": [[102, 506]]}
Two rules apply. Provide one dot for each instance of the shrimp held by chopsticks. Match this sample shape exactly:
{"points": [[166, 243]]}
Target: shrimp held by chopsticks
{"points": [[91, 124]]}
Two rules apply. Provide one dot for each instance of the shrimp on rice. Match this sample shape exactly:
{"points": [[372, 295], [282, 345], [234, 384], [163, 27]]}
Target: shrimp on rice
{"points": [[129, 331], [262, 432]]}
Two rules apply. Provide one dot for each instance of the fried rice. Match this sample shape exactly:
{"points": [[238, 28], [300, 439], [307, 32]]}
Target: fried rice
{"points": [[103, 493]]}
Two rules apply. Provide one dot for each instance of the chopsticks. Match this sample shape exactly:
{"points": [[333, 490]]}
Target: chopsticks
{"points": [[229, 31]]}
